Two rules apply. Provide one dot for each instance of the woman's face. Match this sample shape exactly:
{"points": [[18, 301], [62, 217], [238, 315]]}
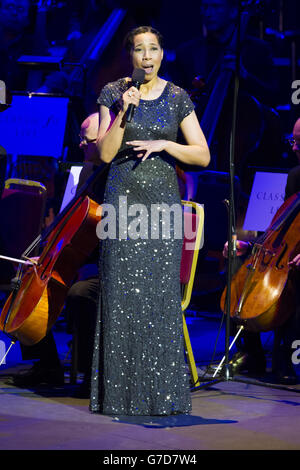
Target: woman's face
{"points": [[147, 54]]}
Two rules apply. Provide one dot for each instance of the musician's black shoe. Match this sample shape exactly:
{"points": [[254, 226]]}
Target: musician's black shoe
{"points": [[286, 378], [38, 374], [245, 363], [282, 368], [248, 363]]}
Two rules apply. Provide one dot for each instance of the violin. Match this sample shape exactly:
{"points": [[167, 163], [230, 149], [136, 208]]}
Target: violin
{"points": [[262, 290]]}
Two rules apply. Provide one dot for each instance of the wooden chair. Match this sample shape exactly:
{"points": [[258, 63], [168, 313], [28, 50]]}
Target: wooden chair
{"points": [[22, 207], [193, 223]]}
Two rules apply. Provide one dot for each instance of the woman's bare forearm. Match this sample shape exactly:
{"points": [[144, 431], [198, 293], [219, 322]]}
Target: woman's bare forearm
{"points": [[190, 154], [109, 144]]}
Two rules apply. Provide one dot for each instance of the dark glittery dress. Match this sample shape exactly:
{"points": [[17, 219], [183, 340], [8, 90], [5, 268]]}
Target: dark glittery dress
{"points": [[138, 365]]}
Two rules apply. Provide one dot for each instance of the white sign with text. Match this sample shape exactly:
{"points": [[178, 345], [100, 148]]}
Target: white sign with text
{"points": [[71, 187], [267, 195]]}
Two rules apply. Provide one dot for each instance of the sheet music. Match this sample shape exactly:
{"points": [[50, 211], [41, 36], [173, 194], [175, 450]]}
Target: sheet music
{"points": [[267, 195]]}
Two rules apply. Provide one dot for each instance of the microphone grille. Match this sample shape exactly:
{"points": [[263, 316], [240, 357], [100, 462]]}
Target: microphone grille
{"points": [[2, 92], [138, 75]]}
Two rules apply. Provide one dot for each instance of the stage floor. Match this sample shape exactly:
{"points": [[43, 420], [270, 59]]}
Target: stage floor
{"points": [[226, 415]]}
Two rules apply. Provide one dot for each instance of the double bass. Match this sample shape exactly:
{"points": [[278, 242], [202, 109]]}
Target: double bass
{"points": [[40, 291], [263, 289]]}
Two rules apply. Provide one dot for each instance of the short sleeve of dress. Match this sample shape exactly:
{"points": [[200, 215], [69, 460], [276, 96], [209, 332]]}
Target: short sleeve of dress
{"points": [[111, 95], [186, 106], [105, 97]]}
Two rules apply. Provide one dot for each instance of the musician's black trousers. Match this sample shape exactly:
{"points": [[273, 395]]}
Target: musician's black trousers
{"points": [[80, 311], [284, 336]]}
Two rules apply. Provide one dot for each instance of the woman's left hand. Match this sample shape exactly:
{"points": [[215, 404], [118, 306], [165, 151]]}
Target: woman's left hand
{"points": [[146, 147]]}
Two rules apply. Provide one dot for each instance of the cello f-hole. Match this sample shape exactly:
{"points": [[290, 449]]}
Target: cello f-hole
{"points": [[278, 265]]}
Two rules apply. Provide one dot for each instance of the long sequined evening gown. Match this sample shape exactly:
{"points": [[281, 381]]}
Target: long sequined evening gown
{"points": [[138, 365]]}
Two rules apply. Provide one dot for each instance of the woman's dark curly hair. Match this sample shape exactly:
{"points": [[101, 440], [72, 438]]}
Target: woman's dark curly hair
{"points": [[128, 41]]}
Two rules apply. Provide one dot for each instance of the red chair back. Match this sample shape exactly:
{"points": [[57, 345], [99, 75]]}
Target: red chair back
{"points": [[21, 214]]}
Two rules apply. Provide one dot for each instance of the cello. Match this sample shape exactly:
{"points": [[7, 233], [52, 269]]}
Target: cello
{"points": [[39, 293], [262, 291]]}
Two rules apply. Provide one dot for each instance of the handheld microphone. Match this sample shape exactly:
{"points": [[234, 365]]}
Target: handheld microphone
{"points": [[2, 92], [138, 77], [5, 97]]}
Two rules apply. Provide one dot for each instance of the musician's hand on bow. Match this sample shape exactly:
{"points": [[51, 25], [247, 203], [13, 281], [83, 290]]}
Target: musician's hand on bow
{"points": [[146, 147], [241, 248], [229, 63], [32, 261], [295, 262]]}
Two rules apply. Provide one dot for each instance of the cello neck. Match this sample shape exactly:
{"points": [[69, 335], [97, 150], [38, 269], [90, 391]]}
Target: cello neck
{"points": [[75, 201], [284, 217], [78, 198]]}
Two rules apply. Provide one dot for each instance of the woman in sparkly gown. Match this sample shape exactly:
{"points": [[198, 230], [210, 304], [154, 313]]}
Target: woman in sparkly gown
{"points": [[138, 365]]}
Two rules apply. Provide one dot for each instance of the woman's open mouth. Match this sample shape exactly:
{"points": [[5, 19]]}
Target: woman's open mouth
{"points": [[148, 69]]}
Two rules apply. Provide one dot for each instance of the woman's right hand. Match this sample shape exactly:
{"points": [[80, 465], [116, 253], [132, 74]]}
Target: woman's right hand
{"points": [[131, 96], [241, 248]]}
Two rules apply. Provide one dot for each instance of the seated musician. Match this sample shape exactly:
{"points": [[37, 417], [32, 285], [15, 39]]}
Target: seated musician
{"points": [[250, 356], [82, 296]]}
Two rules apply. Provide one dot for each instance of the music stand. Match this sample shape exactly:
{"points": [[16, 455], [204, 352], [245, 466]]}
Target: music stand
{"points": [[226, 370], [5, 101]]}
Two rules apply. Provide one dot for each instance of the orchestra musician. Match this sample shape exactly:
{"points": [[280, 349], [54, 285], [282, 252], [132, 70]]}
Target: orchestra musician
{"points": [[250, 356], [82, 296]]}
